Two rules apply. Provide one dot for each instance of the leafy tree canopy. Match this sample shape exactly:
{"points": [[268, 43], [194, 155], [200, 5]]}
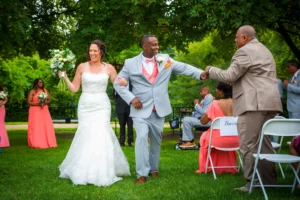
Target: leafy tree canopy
{"points": [[27, 26], [39, 25]]}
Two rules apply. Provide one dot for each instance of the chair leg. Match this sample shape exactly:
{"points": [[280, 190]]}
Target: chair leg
{"points": [[261, 184], [297, 179], [207, 159], [282, 173], [212, 168], [279, 165], [287, 167], [240, 161]]}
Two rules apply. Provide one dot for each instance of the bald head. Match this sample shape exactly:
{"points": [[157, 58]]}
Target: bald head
{"points": [[204, 91], [248, 31], [243, 35]]}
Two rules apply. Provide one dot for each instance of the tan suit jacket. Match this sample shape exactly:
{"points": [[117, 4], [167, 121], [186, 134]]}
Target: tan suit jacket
{"points": [[253, 75]]}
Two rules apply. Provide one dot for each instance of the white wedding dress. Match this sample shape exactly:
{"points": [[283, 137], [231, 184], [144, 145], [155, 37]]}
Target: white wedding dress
{"points": [[95, 156]]}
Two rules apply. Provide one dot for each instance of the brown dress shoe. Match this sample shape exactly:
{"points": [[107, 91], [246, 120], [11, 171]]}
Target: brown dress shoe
{"points": [[154, 174], [141, 180]]}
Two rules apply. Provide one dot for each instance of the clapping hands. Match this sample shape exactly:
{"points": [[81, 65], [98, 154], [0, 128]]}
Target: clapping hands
{"points": [[196, 101]]}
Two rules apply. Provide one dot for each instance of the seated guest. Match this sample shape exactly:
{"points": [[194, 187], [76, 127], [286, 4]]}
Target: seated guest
{"points": [[218, 108], [295, 151], [190, 122]]}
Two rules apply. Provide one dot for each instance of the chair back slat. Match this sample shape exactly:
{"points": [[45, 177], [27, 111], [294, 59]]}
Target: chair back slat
{"points": [[282, 127]]}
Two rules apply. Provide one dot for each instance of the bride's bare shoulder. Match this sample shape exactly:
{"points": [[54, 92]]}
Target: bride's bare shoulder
{"points": [[82, 66], [110, 67]]}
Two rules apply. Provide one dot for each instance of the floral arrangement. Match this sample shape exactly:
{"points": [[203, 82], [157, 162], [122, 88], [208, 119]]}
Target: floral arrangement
{"points": [[3, 95], [63, 60], [42, 97]]}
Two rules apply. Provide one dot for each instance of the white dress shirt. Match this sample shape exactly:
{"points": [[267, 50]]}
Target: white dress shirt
{"points": [[148, 66]]}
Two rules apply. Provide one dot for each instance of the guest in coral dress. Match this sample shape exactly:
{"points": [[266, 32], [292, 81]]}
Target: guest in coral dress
{"points": [[4, 142], [219, 108], [40, 127]]}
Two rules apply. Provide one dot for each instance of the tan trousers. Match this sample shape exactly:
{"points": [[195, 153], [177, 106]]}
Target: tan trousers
{"points": [[249, 128]]}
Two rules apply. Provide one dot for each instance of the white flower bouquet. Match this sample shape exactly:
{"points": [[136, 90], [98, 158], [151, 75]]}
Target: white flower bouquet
{"points": [[3, 95], [62, 60], [42, 97]]}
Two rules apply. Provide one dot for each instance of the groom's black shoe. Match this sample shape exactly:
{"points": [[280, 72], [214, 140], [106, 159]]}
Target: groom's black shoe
{"points": [[141, 180]]}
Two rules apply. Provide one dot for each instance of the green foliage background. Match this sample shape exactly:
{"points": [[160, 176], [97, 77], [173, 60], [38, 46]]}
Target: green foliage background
{"points": [[18, 73], [199, 33]]}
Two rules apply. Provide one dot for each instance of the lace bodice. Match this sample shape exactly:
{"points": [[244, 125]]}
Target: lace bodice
{"points": [[94, 82]]}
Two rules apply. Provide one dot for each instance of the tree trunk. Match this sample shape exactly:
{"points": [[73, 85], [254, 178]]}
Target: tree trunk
{"points": [[281, 29]]}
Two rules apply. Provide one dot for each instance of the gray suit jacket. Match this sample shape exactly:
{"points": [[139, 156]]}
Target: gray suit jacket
{"points": [[293, 94], [156, 94], [253, 75]]}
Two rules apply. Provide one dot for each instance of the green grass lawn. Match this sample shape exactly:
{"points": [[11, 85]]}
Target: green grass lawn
{"points": [[27, 173]]}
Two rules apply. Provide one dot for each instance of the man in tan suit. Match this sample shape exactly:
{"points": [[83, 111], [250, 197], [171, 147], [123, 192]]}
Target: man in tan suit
{"points": [[255, 99]]}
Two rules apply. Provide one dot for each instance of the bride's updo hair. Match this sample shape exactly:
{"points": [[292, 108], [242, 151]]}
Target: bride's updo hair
{"points": [[101, 47]]}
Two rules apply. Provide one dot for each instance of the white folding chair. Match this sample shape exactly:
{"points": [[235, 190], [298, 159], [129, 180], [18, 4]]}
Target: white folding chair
{"points": [[216, 125], [277, 145], [277, 127]]}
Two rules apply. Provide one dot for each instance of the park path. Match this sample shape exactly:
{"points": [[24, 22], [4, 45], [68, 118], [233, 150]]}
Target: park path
{"points": [[25, 126], [167, 135]]}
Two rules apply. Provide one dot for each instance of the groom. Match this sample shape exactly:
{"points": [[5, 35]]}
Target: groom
{"points": [[149, 74]]}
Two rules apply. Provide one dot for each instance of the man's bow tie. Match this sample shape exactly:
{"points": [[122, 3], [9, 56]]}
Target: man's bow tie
{"points": [[150, 60]]}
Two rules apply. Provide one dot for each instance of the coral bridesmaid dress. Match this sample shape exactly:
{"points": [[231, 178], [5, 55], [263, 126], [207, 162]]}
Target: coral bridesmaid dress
{"points": [[40, 127], [219, 158], [4, 142]]}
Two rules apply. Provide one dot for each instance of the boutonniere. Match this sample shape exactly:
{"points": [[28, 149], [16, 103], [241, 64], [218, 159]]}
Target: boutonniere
{"points": [[294, 81], [159, 59], [168, 64]]}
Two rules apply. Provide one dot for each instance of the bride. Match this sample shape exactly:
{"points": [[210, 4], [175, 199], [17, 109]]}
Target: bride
{"points": [[95, 156]]}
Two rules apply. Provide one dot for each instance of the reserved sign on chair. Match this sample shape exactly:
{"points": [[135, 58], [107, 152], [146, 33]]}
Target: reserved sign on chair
{"points": [[228, 126]]}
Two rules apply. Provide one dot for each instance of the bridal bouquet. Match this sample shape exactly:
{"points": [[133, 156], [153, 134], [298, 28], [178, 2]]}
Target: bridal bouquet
{"points": [[42, 97], [3, 95], [62, 60]]}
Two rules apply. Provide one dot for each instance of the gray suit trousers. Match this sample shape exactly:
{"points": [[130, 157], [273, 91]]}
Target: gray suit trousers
{"points": [[147, 158], [188, 124], [249, 130]]}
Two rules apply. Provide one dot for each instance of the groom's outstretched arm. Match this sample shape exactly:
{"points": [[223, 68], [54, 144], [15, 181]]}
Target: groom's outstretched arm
{"points": [[126, 95], [186, 69]]}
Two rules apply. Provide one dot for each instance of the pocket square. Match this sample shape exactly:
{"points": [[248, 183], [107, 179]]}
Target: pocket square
{"points": [[168, 64]]}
